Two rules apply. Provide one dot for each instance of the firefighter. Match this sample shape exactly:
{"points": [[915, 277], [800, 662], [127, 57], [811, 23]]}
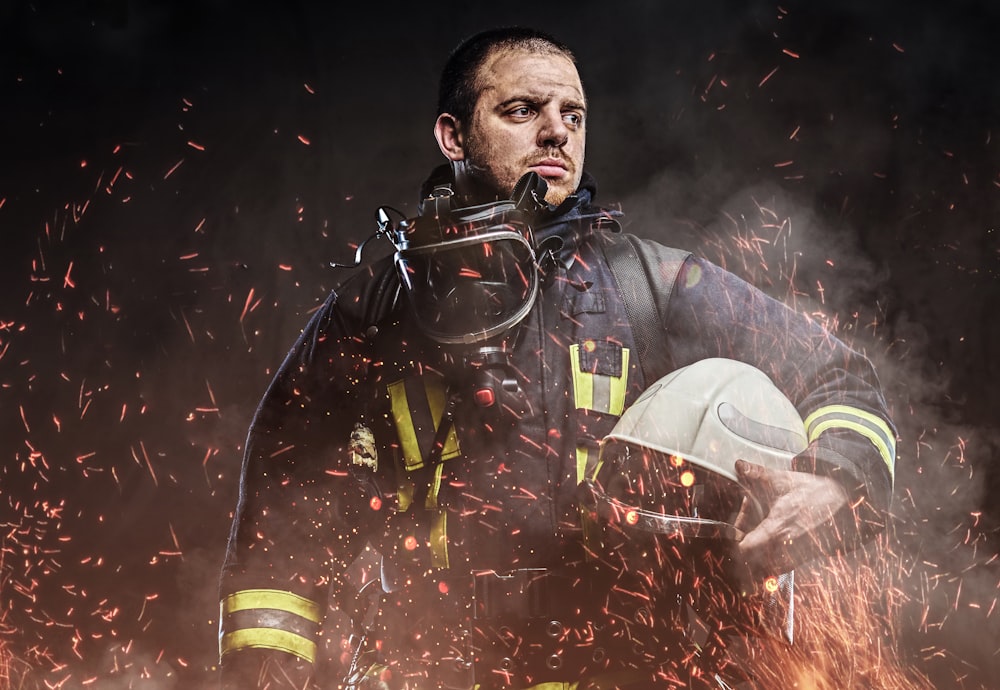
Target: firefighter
{"points": [[446, 404]]}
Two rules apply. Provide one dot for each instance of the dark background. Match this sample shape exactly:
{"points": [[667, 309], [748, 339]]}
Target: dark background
{"points": [[175, 177]]}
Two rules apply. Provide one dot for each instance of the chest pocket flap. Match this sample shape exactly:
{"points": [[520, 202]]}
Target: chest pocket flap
{"points": [[600, 372]]}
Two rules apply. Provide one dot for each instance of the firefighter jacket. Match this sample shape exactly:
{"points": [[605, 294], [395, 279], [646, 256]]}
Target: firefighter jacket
{"points": [[370, 433]]}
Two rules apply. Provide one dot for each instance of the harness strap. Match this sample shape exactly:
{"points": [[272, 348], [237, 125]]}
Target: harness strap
{"points": [[632, 263]]}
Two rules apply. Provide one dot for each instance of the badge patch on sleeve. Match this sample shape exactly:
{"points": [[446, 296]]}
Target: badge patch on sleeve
{"points": [[363, 449], [600, 371]]}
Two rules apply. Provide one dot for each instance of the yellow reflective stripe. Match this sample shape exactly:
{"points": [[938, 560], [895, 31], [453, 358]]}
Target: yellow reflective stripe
{"points": [[583, 457], [888, 457], [585, 386], [436, 399], [850, 411], [597, 468], [268, 638], [439, 540], [404, 425], [617, 401], [582, 453], [435, 487], [870, 426], [404, 494], [271, 599], [583, 383]]}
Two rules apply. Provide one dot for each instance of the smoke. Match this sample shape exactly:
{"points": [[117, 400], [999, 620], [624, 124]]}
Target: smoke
{"points": [[856, 183], [874, 218], [935, 580], [177, 183]]}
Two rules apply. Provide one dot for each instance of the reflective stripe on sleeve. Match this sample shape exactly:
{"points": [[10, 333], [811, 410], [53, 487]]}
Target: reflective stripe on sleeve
{"points": [[865, 423], [272, 599], [269, 619], [268, 638]]}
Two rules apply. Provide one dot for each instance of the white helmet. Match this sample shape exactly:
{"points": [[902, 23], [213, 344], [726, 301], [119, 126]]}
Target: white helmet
{"points": [[666, 481], [698, 420]]}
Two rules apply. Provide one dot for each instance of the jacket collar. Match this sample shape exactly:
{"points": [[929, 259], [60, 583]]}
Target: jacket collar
{"points": [[557, 231]]}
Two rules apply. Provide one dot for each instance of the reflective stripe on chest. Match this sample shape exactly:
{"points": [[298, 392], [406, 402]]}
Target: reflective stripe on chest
{"points": [[600, 377], [600, 373], [418, 406]]}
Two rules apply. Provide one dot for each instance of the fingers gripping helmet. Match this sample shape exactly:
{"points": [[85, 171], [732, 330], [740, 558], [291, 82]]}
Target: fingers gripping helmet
{"points": [[665, 496]]}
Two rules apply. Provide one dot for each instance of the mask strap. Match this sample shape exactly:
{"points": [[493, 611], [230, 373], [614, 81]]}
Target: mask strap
{"points": [[547, 253]]}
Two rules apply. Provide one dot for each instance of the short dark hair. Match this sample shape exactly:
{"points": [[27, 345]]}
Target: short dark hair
{"points": [[460, 86]]}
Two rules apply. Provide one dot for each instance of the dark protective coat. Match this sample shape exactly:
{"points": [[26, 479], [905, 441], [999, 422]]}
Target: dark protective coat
{"points": [[502, 492]]}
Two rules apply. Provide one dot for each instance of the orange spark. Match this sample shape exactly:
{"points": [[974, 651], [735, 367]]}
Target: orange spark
{"points": [[67, 280], [187, 325], [171, 171], [769, 75], [246, 305]]}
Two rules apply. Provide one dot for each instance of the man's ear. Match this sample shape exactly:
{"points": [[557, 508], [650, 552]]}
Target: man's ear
{"points": [[449, 137]]}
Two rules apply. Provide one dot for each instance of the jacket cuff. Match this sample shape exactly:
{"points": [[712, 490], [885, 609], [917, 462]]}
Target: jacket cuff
{"points": [[269, 619], [867, 481]]}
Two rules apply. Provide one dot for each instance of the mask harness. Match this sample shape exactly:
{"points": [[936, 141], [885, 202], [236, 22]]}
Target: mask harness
{"points": [[472, 275]]}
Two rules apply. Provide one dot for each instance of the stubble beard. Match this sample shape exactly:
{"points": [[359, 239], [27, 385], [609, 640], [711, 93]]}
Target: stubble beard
{"points": [[485, 175]]}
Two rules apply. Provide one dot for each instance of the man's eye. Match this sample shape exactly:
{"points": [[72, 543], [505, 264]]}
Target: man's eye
{"points": [[573, 119], [521, 111]]}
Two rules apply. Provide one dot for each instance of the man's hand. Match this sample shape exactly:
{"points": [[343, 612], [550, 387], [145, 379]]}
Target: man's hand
{"points": [[805, 516]]}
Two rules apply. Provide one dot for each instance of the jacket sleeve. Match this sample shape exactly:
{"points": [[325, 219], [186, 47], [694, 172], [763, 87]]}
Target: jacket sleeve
{"points": [[714, 313], [299, 518]]}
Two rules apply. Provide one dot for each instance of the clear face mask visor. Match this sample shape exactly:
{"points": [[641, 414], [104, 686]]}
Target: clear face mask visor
{"points": [[472, 288], [663, 494]]}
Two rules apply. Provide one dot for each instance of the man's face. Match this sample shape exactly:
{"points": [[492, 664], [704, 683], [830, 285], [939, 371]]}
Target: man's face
{"points": [[530, 116]]}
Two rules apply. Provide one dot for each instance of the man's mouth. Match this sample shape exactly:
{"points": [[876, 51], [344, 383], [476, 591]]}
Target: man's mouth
{"points": [[550, 168]]}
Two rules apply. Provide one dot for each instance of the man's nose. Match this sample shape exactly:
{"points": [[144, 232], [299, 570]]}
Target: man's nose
{"points": [[553, 130]]}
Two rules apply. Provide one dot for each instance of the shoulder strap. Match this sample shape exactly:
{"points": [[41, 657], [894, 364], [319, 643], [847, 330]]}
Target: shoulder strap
{"points": [[632, 263], [380, 295]]}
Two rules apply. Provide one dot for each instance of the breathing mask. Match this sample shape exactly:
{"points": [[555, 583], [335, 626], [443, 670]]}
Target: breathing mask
{"points": [[471, 273]]}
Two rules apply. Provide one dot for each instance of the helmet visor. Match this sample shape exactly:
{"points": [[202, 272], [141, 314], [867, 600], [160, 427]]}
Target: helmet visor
{"points": [[470, 289], [661, 493]]}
